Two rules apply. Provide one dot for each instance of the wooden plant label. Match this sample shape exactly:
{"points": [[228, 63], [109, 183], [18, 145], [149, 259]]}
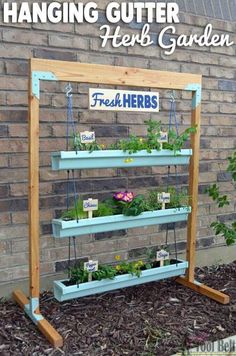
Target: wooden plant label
{"points": [[163, 198], [87, 136], [162, 255], [91, 266], [90, 205], [163, 138]]}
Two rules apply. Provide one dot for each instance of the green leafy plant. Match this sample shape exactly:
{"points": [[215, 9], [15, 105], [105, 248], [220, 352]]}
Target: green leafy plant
{"points": [[77, 211], [136, 207], [104, 272], [79, 275], [151, 255], [176, 142], [232, 165], [153, 135], [134, 267], [132, 208], [77, 145], [131, 145], [214, 192], [228, 231], [220, 228], [178, 199], [135, 144]]}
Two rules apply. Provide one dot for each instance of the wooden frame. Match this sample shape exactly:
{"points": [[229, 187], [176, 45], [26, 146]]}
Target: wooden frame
{"points": [[102, 74]]}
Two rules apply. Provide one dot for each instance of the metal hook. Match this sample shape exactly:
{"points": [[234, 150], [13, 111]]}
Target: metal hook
{"points": [[172, 96], [68, 90]]}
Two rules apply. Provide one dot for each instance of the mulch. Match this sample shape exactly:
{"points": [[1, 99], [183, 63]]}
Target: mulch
{"points": [[159, 318]]}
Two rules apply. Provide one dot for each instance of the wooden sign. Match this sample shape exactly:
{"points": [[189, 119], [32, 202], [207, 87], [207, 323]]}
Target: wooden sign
{"points": [[163, 198], [91, 266], [87, 137], [123, 100], [162, 255], [90, 205]]}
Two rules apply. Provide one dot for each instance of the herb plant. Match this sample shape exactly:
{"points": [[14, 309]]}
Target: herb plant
{"points": [[77, 211], [129, 208], [79, 146], [131, 145], [104, 272], [134, 268], [153, 135], [134, 144], [79, 275], [176, 142], [136, 207], [177, 199]]}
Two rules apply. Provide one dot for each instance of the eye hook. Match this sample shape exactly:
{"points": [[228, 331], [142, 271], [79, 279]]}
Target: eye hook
{"points": [[172, 96], [68, 89]]}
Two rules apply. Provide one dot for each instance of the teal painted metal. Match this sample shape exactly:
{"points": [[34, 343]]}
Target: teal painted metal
{"points": [[197, 94], [117, 158], [197, 283], [63, 228], [61, 292], [36, 77], [30, 310]]}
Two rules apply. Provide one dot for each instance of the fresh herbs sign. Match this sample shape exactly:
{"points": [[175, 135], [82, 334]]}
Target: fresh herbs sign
{"points": [[123, 100]]}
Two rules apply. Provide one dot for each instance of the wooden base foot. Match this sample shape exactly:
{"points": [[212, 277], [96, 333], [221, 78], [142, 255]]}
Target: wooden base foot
{"points": [[205, 290], [44, 326], [50, 333], [20, 298]]}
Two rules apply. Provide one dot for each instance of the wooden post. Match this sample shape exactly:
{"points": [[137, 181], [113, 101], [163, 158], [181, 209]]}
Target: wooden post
{"points": [[189, 280], [33, 200], [193, 189], [31, 305]]}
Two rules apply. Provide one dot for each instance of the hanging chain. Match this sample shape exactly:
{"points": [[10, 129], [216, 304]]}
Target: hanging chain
{"points": [[172, 116], [69, 258], [70, 123], [75, 196]]}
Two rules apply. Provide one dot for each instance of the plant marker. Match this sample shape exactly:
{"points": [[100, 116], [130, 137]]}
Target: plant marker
{"points": [[91, 266], [90, 205], [162, 255], [163, 198], [87, 136], [163, 138]]}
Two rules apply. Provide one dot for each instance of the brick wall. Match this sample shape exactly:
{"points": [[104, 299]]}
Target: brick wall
{"points": [[81, 43]]}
